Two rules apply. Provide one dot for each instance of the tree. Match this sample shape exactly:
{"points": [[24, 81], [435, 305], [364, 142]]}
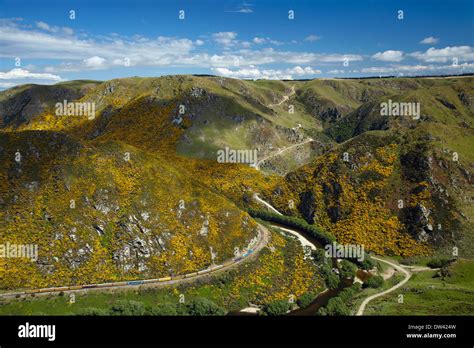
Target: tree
{"points": [[306, 299], [279, 307], [319, 256], [375, 281], [204, 307], [330, 278], [164, 309], [347, 269], [128, 308], [367, 264], [336, 306], [322, 311]]}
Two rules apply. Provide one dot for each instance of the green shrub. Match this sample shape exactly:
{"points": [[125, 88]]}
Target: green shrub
{"points": [[347, 269], [279, 307], [438, 262], [375, 281], [319, 256], [330, 278], [163, 309], [93, 311], [204, 307], [367, 264], [409, 261], [336, 306], [306, 299], [322, 237], [346, 294], [322, 312], [128, 308]]}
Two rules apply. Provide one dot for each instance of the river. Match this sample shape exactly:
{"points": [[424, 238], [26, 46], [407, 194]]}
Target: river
{"points": [[323, 297]]}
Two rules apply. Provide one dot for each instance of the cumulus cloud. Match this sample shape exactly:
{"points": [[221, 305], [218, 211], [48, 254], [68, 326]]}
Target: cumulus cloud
{"points": [[389, 56], [299, 71], [94, 62], [417, 69], [20, 74], [22, 42], [225, 38], [73, 53], [253, 72], [263, 40], [443, 55], [429, 40]]}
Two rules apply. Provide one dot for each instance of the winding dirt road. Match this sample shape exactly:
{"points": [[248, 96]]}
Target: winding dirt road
{"points": [[282, 150], [364, 304], [285, 98], [407, 274]]}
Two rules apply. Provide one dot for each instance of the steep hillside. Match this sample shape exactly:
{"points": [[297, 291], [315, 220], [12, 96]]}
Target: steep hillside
{"points": [[19, 105], [396, 192], [444, 101], [214, 112], [107, 211], [136, 190]]}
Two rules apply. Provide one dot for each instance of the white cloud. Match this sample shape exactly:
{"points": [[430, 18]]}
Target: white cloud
{"points": [[443, 55], [19, 74], [262, 40], [389, 56], [312, 38], [245, 10], [259, 40], [336, 71], [43, 26], [80, 53], [94, 62], [54, 29], [225, 38], [253, 72], [429, 40], [417, 69], [299, 71]]}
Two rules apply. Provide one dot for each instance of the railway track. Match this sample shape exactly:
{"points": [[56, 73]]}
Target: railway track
{"points": [[247, 255]]}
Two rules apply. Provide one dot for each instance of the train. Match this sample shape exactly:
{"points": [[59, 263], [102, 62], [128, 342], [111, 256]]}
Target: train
{"points": [[136, 282]]}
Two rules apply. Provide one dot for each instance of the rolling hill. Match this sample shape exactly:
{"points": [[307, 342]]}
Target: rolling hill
{"points": [[136, 190]]}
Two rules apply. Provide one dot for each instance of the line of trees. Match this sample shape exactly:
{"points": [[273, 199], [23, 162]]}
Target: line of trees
{"points": [[197, 307], [337, 305], [322, 237]]}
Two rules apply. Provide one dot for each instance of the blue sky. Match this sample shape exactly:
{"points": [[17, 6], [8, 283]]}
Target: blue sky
{"points": [[253, 39]]}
